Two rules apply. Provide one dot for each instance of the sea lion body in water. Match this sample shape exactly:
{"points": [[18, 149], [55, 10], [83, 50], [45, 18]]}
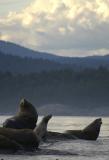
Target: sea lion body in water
{"points": [[25, 118], [23, 138], [91, 132]]}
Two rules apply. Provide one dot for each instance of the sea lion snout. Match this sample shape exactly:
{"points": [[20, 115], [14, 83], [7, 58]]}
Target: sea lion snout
{"points": [[24, 102]]}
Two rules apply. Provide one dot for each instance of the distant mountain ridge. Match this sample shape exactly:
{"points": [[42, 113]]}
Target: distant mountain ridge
{"points": [[18, 59], [17, 50], [20, 65]]}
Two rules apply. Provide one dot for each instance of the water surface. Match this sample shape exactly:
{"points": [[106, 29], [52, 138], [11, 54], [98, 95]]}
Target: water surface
{"points": [[71, 149]]}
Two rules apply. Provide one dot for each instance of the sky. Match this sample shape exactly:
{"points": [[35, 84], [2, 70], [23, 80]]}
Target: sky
{"points": [[62, 27]]}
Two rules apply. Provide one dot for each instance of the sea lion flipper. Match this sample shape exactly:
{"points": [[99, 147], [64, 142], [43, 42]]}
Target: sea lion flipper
{"points": [[9, 123]]}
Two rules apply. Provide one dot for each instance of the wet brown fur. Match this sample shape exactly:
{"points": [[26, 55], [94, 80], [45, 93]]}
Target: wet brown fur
{"points": [[25, 118]]}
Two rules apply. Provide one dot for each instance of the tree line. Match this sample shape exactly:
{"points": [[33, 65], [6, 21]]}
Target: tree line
{"points": [[87, 88]]}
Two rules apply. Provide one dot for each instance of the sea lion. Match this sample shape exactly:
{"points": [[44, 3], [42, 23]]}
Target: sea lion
{"points": [[25, 118], [23, 138], [91, 132]]}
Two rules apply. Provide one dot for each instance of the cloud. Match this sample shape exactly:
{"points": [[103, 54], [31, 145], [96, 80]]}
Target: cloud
{"points": [[68, 27], [4, 37]]}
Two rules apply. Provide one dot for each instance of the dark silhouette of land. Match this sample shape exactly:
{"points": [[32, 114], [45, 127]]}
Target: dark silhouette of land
{"points": [[84, 91], [72, 86], [17, 59]]}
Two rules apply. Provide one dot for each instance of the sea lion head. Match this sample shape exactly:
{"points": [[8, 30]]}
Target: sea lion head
{"points": [[98, 121], [26, 117], [46, 118], [27, 108], [41, 129], [93, 129]]}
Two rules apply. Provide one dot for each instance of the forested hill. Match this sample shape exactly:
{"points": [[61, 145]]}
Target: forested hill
{"points": [[21, 65], [37, 61], [16, 64], [85, 92], [10, 48]]}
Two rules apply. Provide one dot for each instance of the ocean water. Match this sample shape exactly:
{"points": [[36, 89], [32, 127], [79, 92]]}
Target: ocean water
{"points": [[70, 149]]}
